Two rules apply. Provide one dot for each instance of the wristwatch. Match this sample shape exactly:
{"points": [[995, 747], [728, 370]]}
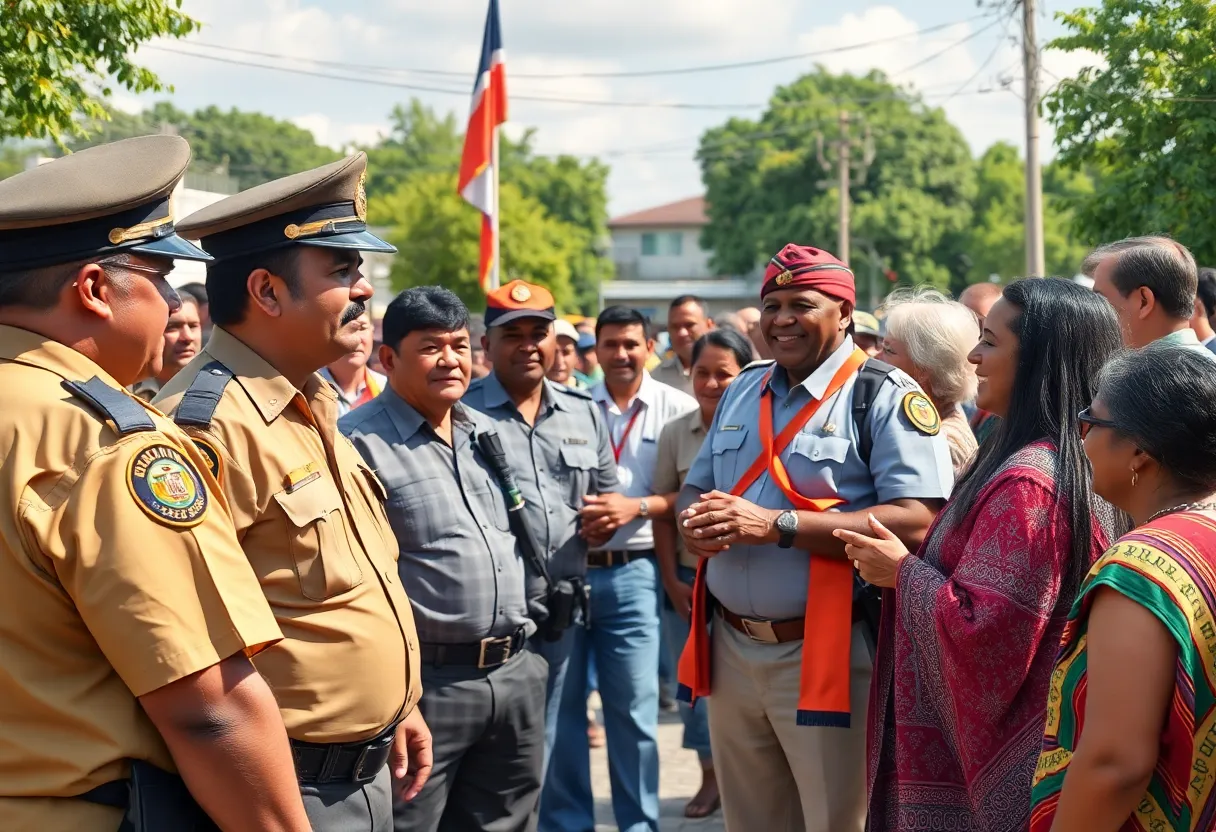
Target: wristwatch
{"points": [[787, 525], [643, 509]]}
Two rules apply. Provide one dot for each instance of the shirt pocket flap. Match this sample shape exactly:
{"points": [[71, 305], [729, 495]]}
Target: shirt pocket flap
{"points": [[313, 502], [373, 482], [728, 440], [821, 448], [582, 457]]}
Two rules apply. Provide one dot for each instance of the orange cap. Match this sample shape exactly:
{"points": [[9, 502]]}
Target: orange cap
{"points": [[518, 300]]}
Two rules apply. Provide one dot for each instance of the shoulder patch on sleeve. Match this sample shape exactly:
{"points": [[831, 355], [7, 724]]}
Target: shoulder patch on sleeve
{"points": [[166, 486], [921, 413], [212, 456]]}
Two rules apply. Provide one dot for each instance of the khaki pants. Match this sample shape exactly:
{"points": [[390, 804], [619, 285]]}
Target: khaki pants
{"points": [[777, 776]]}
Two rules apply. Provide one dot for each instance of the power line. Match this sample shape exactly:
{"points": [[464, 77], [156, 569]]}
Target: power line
{"points": [[687, 70], [988, 60], [941, 52]]}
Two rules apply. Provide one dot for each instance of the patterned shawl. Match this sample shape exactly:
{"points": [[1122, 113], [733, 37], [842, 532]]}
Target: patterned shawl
{"points": [[966, 647], [1169, 567]]}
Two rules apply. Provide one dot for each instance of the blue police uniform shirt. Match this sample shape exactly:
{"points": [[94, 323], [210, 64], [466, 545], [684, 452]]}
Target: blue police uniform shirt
{"points": [[822, 460]]}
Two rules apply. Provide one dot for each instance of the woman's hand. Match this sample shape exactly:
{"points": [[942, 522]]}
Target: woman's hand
{"points": [[876, 558]]}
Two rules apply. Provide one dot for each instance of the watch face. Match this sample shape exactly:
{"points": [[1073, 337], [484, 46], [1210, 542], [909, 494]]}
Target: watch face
{"points": [[787, 521]]}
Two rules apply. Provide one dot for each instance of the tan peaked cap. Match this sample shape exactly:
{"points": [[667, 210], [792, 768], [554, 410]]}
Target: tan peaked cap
{"points": [[333, 183], [95, 182]]}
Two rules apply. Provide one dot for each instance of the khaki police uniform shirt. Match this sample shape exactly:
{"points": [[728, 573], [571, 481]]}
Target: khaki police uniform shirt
{"points": [[119, 574], [309, 513]]}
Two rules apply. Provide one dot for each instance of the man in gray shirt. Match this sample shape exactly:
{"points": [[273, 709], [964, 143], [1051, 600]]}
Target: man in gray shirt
{"points": [[686, 322], [483, 689], [557, 445]]}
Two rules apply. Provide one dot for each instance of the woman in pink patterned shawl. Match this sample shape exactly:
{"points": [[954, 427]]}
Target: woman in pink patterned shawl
{"points": [[971, 624]]}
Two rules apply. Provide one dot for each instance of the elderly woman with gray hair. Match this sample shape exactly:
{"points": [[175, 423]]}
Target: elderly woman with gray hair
{"points": [[928, 337]]}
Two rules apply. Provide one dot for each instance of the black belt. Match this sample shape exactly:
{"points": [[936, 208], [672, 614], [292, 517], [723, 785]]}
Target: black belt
{"points": [[598, 558], [351, 762], [489, 652], [116, 794]]}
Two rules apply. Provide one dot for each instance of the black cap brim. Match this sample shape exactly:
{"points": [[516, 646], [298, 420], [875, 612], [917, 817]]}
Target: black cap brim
{"points": [[353, 240], [173, 247], [515, 314]]}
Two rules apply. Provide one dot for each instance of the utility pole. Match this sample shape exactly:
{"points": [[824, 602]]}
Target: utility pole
{"points": [[842, 163], [1035, 261], [848, 173]]}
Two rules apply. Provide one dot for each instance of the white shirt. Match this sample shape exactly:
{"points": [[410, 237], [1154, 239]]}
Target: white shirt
{"points": [[656, 404]]}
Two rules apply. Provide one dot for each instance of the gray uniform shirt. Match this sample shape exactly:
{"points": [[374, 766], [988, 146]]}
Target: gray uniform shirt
{"points": [[457, 557], [563, 456], [822, 461]]}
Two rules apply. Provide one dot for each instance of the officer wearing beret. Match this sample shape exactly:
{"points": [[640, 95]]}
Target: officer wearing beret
{"points": [[286, 294], [128, 613], [792, 455], [557, 444]]}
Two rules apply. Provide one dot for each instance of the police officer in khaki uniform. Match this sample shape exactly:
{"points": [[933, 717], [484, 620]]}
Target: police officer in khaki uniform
{"points": [[127, 610], [286, 294]]}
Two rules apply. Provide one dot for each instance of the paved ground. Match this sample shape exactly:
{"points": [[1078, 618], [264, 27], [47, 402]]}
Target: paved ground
{"points": [[679, 779]]}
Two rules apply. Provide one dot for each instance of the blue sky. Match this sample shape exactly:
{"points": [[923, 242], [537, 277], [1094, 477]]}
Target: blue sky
{"points": [[650, 150]]}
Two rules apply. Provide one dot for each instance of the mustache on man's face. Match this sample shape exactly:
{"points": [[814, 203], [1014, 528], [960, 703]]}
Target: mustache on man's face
{"points": [[353, 312]]}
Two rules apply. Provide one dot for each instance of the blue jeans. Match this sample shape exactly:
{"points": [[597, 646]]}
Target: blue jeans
{"points": [[624, 638], [695, 717]]}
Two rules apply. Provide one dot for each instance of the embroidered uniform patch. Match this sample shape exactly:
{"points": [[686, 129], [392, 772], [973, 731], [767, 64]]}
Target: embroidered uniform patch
{"points": [[166, 486], [922, 414], [211, 455]]}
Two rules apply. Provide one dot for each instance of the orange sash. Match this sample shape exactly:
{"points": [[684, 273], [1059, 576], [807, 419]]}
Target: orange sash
{"points": [[823, 696]]}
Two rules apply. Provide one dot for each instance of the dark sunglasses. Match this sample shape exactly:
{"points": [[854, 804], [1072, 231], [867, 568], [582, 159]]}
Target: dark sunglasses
{"points": [[1088, 420]]}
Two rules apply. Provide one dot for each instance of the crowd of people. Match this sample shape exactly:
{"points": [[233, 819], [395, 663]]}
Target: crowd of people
{"points": [[951, 565]]}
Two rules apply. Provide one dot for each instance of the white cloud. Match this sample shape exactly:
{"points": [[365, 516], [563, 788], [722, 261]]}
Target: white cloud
{"points": [[340, 135]]}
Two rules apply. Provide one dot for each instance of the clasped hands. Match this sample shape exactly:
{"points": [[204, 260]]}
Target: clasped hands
{"points": [[718, 520]]}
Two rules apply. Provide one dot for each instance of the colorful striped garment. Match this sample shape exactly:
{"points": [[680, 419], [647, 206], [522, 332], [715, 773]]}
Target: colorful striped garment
{"points": [[1169, 567]]}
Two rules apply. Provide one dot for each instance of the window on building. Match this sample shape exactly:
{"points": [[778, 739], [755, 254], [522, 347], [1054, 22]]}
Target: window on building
{"points": [[663, 244]]}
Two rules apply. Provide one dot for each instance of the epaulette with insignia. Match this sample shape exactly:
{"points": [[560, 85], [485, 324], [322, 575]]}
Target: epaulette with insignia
{"points": [[757, 364], [573, 391]]}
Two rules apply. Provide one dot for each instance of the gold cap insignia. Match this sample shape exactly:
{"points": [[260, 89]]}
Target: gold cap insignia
{"points": [[784, 278], [520, 294], [922, 414], [361, 198]]}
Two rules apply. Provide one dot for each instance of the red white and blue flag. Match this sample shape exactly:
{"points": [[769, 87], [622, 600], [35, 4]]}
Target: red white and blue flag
{"points": [[478, 176]]}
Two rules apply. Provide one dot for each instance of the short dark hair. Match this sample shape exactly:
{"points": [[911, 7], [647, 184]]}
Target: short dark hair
{"points": [[1207, 290], [37, 288], [727, 339], [683, 299], [621, 316], [423, 307], [228, 297], [1171, 276], [196, 290], [1163, 397]]}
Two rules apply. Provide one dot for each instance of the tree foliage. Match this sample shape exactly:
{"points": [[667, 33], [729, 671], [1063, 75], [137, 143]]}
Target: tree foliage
{"points": [[1144, 120], [765, 185], [423, 149], [995, 242], [58, 59]]}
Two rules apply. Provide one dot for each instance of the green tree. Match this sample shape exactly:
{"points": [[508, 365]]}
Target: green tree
{"points": [[995, 242], [437, 236], [1144, 120], [765, 185], [58, 59], [570, 191]]}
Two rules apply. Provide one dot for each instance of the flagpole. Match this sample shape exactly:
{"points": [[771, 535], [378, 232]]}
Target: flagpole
{"points": [[496, 273]]}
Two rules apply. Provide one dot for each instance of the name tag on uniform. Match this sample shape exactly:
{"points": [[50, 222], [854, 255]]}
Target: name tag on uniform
{"points": [[729, 427], [569, 440], [301, 477]]}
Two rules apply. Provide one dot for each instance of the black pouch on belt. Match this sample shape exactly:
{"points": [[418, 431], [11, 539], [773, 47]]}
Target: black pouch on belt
{"points": [[154, 801]]}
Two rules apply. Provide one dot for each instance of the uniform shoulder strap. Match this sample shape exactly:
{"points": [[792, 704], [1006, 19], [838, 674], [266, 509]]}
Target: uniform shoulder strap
{"points": [[127, 414], [865, 390], [203, 396]]}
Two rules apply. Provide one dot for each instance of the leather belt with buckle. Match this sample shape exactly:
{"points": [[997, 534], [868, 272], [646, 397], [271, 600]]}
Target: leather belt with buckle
{"points": [[601, 558], [352, 762], [489, 652], [766, 632]]}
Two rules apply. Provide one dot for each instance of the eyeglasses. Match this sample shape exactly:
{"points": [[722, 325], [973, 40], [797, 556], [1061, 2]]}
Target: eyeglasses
{"points": [[1088, 420], [134, 268]]}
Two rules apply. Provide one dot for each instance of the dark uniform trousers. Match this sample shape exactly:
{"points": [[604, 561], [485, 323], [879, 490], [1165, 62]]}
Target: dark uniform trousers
{"points": [[489, 745], [350, 807]]}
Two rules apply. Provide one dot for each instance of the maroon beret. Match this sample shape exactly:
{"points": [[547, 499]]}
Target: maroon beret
{"points": [[798, 267]]}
